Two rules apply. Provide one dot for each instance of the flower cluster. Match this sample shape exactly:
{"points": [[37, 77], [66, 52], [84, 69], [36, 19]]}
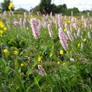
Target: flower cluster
{"points": [[2, 28], [63, 39], [34, 28]]}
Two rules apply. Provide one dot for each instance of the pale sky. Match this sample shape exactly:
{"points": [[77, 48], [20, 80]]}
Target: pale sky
{"points": [[80, 4]]}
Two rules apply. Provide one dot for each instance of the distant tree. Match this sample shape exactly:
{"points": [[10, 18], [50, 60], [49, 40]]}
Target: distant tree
{"points": [[62, 8], [44, 6], [74, 10], [5, 5], [54, 9]]}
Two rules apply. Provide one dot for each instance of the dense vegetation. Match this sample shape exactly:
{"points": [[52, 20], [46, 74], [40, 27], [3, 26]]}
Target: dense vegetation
{"points": [[38, 62], [46, 7], [45, 52]]}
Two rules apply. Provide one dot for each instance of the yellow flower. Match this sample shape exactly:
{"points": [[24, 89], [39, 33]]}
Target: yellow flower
{"points": [[68, 21], [2, 25], [58, 63], [22, 64], [5, 28], [1, 32], [78, 44], [39, 58], [11, 4], [50, 54], [84, 40], [9, 7], [65, 30], [15, 52], [65, 22], [63, 63], [61, 52], [5, 51]]}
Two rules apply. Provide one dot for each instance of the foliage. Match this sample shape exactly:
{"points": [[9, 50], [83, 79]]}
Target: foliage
{"points": [[5, 5], [46, 7], [19, 72]]}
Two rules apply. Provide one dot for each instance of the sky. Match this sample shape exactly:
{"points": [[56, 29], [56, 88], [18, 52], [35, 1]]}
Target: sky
{"points": [[28, 4]]}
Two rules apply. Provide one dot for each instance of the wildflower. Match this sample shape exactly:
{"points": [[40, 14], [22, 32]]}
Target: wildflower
{"points": [[68, 21], [78, 44], [66, 26], [61, 52], [15, 52], [65, 30], [75, 26], [5, 28], [5, 51], [72, 59], [81, 45], [71, 27], [58, 63], [41, 69], [84, 40], [34, 28], [10, 5], [60, 21], [70, 36], [65, 22], [22, 64], [50, 30], [2, 25], [69, 33], [50, 54], [78, 33], [39, 26], [39, 58], [1, 32], [63, 39]]}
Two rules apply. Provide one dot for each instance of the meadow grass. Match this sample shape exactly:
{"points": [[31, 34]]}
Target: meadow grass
{"points": [[21, 53]]}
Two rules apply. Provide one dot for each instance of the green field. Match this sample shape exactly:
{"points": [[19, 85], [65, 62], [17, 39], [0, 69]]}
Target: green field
{"points": [[35, 60]]}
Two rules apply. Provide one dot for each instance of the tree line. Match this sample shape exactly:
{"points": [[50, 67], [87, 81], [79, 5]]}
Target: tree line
{"points": [[46, 7]]}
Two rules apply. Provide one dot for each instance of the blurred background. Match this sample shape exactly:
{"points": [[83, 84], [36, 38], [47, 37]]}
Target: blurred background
{"points": [[46, 6]]}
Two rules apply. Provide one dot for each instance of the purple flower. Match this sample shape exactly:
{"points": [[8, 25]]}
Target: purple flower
{"points": [[78, 33], [60, 21], [42, 71], [35, 28], [66, 26], [72, 60], [50, 30], [63, 39], [70, 35], [75, 26], [81, 45], [89, 36]]}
